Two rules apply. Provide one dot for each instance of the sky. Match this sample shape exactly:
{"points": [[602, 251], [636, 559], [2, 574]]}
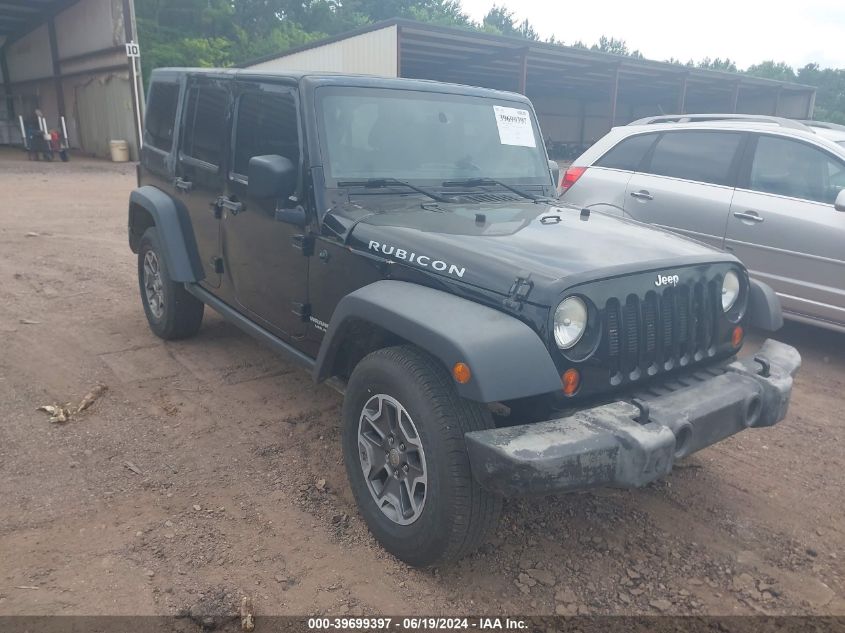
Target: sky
{"points": [[747, 31]]}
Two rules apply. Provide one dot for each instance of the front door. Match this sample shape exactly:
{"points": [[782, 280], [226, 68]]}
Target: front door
{"points": [[687, 184], [785, 230], [267, 267], [200, 170]]}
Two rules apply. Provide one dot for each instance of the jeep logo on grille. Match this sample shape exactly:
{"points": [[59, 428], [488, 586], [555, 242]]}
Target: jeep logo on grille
{"points": [[667, 280]]}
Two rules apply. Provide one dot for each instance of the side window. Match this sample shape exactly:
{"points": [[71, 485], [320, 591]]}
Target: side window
{"points": [[629, 153], [161, 115], [698, 155], [205, 124], [266, 124], [790, 168]]}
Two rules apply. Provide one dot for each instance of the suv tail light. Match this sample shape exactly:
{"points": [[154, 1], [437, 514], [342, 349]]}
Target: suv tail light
{"points": [[571, 177]]}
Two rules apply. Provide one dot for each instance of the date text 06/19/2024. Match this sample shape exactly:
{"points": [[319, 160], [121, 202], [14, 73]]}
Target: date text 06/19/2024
{"points": [[417, 624]]}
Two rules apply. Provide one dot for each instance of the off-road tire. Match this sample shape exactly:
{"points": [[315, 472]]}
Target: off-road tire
{"points": [[180, 314], [457, 514]]}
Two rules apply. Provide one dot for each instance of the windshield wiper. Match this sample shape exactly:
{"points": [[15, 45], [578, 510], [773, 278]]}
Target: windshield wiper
{"points": [[480, 182], [381, 183]]}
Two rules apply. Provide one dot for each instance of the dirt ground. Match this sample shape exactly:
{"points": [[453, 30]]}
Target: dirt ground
{"points": [[211, 468]]}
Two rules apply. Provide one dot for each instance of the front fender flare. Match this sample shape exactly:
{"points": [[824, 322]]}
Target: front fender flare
{"points": [[507, 358], [764, 309], [174, 231]]}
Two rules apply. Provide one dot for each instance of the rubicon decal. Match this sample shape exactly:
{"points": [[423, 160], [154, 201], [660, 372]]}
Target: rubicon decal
{"points": [[420, 260], [667, 280]]}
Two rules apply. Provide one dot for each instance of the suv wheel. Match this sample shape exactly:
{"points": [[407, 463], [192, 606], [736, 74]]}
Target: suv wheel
{"points": [[403, 446], [172, 312]]}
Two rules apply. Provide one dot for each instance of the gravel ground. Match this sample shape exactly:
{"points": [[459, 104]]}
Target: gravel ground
{"points": [[211, 469]]}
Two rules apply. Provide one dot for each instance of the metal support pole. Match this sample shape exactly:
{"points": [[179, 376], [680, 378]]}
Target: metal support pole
{"points": [[140, 129], [523, 72], [682, 97], [735, 101], [777, 101], [131, 37], [614, 94], [7, 83], [811, 105], [57, 71]]}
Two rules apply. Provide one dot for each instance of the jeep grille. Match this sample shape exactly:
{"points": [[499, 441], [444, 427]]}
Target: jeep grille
{"points": [[660, 330]]}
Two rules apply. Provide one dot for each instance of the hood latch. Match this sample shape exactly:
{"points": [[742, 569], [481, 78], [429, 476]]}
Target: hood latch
{"points": [[519, 291]]}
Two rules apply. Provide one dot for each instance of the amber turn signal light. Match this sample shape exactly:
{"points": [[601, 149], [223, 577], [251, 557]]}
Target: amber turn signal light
{"points": [[736, 336], [461, 373], [571, 380]]}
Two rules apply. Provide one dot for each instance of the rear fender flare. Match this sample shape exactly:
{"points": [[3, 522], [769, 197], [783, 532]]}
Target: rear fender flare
{"points": [[174, 231]]}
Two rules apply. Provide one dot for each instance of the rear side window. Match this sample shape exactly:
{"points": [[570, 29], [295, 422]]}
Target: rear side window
{"points": [[697, 155], [790, 168], [205, 124], [629, 153], [161, 115], [266, 124]]}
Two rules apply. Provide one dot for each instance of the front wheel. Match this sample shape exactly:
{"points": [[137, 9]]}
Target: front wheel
{"points": [[403, 446]]}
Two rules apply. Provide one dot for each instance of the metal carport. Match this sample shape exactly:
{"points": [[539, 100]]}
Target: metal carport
{"points": [[68, 58], [578, 93]]}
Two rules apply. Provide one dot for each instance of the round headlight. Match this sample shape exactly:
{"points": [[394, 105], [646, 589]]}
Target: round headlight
{"points": [[570, 322], [730, 290]]}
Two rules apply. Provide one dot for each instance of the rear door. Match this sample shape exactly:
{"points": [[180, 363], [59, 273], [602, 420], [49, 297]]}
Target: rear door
{"points": [[603, 184], [160, 125], [784, 228], [687, 183], [200, 169], [267, 264]]}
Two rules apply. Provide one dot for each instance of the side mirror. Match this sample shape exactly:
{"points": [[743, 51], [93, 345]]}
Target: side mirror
{"points": [[555, 169], [271, 177], [839, 205]]}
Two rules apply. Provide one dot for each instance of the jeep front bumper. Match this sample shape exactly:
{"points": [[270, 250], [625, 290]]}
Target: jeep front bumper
{"points": [[625, 445]]}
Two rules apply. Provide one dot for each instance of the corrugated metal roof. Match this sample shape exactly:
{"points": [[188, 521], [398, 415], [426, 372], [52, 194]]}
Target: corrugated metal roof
{"points": [[424, 44], [19, 17]]}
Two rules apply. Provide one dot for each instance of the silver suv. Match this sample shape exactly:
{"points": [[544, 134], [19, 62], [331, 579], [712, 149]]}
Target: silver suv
{"points": [[769, 190]]}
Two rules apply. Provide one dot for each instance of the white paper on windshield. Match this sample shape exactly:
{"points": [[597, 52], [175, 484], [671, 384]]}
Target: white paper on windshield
{"points": [[514, 126]]}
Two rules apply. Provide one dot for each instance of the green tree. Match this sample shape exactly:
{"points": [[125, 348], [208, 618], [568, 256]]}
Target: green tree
{"points": [[771, 70], [501, 21], [616, 47], [718, 64]]}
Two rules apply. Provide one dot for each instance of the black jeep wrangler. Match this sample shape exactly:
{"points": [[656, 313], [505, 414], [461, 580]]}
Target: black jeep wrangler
{"points": [[398, 238]]}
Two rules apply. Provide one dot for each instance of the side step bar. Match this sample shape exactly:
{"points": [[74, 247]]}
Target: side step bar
{"points": [[256, 331]]}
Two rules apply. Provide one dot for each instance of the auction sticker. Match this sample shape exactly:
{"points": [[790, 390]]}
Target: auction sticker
{"points": [[514, 126]]}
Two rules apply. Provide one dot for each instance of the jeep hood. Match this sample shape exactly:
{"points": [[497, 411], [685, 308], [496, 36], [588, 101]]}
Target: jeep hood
{"points": [[489, 246]]}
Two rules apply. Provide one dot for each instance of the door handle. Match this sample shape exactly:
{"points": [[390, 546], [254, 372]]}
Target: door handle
{"points": [[232, 206], [642, 195], [748, 215]]}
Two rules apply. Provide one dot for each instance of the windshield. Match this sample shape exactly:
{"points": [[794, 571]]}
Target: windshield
{"points": [[427, 137]]}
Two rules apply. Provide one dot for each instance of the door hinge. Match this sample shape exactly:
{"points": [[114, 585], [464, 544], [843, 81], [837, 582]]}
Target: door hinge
{"points": [[305, 243], [217, 263], [519, 291], [302, 310]]}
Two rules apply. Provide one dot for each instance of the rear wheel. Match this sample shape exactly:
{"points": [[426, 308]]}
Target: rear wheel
{"points": [[403, 445], [172, 312]]}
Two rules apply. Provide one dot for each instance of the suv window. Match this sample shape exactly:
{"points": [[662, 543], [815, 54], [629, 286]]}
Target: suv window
{"points": [[161, 115], [629, 153], [205, 119], [698, 155], [266, 124], [790, 168]]}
